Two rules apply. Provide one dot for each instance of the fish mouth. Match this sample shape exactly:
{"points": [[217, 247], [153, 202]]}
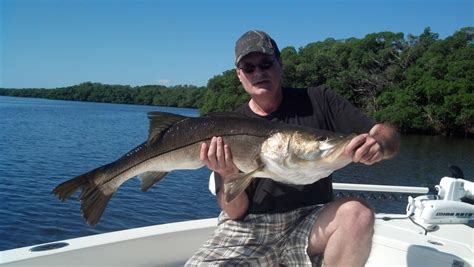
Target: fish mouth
{"points": [[334, 149]]}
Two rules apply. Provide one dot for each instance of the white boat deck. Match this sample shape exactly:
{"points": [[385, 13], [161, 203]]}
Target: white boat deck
{"points": [[400, 242], [160, 245], [397, 242]]}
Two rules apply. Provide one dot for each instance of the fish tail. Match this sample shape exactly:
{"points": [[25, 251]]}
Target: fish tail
{"points": [[93, 204], [92, 198], [66, 189]]}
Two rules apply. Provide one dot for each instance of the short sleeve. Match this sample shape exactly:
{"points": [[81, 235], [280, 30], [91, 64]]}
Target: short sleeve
{"points": [[214, 183]]}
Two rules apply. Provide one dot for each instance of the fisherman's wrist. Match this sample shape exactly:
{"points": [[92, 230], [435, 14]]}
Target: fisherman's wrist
{"points": [[217, 183], [225, 176], [221, 179]]}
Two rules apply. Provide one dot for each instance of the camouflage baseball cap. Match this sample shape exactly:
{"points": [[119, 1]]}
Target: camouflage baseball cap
{"points": [[255, 41]]}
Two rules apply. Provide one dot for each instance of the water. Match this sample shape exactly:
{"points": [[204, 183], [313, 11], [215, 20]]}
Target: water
{"points": [[45, 142]]}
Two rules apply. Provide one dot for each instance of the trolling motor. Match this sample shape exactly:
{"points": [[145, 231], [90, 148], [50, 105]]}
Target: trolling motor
{"points": [[452, 204]]}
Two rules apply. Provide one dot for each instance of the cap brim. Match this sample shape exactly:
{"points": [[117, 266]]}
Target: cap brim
{"points": [[253, 50]]}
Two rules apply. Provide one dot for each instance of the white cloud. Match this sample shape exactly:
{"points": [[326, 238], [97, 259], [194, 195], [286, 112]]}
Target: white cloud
{"points": [[164, 82]]}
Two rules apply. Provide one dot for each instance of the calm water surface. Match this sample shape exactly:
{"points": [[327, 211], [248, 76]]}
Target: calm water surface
{"points": [[45, 142]]}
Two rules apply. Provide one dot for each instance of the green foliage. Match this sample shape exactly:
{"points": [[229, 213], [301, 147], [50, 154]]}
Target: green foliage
{"points": [[358, 69], [400, 109], [224, 93], [439, 84]]}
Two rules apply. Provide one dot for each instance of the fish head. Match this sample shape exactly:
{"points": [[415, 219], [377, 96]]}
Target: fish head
{"points": [[304, 156], [332, 148], [303, 147], [317, 155], [325, 148]]}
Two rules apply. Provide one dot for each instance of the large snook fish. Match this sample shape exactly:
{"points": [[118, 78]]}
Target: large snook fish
{"points": [[260, 148]]}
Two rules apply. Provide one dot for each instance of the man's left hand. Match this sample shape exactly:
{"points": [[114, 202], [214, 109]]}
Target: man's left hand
{"points": [[382, 142], [365, 149]]}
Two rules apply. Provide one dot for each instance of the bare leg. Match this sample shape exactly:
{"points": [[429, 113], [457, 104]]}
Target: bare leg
{"points": [[343, 232]]}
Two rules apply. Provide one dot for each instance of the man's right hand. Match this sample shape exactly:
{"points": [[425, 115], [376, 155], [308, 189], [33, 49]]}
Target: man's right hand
{"points": [[218, 158]]}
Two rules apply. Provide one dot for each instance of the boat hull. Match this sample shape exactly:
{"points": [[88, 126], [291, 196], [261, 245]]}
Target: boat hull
{"points": [[397, 242]]}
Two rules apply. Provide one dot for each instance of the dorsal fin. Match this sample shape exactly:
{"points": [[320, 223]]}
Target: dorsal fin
{"points": [[159, 122]]}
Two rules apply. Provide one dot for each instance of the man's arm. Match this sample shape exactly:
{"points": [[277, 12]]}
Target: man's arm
{"points": [[382, 142], [218, 158], [237, 208]]}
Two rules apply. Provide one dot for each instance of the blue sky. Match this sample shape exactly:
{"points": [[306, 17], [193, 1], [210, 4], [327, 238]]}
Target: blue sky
{"points": [[51, 43]]}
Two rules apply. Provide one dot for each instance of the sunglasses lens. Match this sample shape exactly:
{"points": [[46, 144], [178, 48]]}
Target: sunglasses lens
{"points": [[266, 65], [249, 68]]}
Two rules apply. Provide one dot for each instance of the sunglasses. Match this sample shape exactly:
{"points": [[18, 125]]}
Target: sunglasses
{"points": [[250, 68]]}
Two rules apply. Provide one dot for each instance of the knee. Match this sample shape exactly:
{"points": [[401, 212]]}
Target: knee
{"points": [[357, 216]]}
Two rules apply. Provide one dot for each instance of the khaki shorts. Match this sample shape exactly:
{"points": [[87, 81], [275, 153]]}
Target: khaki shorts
{"points": [[260, 240]]}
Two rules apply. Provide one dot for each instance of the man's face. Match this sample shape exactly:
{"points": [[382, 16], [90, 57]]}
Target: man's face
{"points": [[260, 74]]}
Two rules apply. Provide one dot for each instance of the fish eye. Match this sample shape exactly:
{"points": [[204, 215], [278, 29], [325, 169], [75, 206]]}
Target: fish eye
{"points": [[322, 139]]}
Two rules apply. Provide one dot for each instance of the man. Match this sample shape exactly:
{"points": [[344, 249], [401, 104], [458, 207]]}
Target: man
{"points": [[275, 224]]}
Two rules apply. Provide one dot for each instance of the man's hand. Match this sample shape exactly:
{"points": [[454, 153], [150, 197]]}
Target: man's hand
{"points": [[365, 149], [218, 158], [382, 142]]}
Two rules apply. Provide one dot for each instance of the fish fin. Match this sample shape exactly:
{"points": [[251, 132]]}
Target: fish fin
{"points": [[93, 200], [93, 204], [148, 179], [66, 189], [240, 182], [159, 122]]}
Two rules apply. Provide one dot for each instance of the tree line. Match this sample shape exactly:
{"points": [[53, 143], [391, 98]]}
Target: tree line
{"points": [[418, 83], [175, 96]]}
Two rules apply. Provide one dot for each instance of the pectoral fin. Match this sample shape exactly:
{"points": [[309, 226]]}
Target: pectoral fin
{"points": [[239, 184], [148, 179]]}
